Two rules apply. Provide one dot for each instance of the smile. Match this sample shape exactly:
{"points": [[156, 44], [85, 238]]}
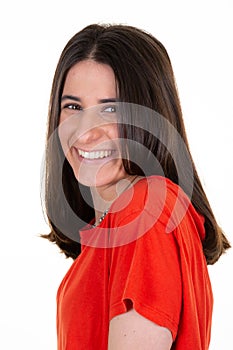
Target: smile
{"points": [[95, 154]]}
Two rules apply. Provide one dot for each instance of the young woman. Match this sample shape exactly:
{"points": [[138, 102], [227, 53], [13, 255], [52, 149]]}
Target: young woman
{"points": [[124, 200]]}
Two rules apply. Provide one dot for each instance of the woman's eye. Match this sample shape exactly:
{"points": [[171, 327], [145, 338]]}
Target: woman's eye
{"points": [[109, 112], [110, 109], [72, 106]]}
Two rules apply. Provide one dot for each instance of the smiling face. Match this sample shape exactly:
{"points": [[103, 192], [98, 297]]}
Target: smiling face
{"points": [[88, 124]]}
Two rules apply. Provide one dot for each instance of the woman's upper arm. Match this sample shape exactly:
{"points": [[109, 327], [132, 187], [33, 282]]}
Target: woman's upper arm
{"points": [[131, 331]]}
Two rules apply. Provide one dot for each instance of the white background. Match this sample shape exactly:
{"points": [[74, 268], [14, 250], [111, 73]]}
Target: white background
{"points": [[198, 37]]}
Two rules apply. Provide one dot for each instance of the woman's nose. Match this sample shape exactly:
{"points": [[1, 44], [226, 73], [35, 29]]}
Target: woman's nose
{"points": [[89, 126]]}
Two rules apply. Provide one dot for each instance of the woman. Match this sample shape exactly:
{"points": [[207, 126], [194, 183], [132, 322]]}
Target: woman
{"points": [[124, 200]]}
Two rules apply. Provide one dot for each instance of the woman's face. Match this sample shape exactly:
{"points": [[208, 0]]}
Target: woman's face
{"points": [[88, 124]]}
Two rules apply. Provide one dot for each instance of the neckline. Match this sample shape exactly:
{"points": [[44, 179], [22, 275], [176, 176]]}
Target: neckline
{"points": [[92, 225]]}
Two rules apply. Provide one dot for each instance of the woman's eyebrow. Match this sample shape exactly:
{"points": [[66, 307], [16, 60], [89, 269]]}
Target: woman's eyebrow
{"points": [[77, 99], [70, 97], [107, 100]]}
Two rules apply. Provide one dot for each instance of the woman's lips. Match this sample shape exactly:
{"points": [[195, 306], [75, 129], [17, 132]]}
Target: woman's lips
{"points": [[95, 156]]}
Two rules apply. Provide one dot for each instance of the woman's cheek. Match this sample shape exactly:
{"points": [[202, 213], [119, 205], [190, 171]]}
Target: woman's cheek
{"points": [[66, 132]]}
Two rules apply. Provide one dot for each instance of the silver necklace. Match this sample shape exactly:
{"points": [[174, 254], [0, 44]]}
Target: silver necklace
{"points": [[101, 218], [97, 223]]}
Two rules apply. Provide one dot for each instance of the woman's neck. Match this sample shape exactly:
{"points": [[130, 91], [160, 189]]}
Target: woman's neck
{"points": [[103, 197]]}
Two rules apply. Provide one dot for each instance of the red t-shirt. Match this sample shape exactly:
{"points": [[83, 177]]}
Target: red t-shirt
{"points": [[146, 254]]}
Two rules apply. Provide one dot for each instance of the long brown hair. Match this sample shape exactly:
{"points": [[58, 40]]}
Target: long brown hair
{"points": [[144, 77]]}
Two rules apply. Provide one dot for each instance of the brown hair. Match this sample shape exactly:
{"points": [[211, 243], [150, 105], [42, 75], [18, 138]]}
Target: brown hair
{"points": [[144, 77]]}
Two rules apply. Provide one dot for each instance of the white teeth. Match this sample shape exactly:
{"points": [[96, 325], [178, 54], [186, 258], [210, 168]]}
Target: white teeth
{"points": [[94, 154]]}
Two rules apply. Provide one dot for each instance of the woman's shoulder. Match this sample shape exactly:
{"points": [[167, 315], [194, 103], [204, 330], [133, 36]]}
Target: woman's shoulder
{"points": [[147, 194], [153, 191], [157, 197]]}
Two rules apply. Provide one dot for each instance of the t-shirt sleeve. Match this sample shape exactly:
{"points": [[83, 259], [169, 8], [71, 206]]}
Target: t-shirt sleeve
{"points": [[145, 274]]}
